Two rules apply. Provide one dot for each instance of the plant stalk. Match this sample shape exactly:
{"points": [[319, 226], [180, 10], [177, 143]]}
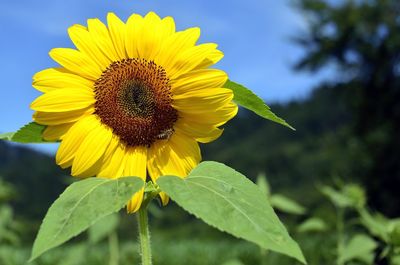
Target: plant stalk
{"points": [[340, 235], [144, 235], [114, 248]]}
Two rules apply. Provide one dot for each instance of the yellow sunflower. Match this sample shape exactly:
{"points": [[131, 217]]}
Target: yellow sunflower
{"points": [[134, 99]]}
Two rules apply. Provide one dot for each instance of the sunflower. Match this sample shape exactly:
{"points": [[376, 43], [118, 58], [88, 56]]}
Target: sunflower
{"points": [[133, 99]]}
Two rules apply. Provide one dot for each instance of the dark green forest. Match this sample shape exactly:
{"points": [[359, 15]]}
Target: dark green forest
{"points": [[347, 131]]}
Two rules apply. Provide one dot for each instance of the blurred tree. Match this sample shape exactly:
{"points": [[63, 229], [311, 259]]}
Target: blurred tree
{"points": [[361, 39], [37, 180]]}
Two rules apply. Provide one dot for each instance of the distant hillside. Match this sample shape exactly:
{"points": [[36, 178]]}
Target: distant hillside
{"points": [[319, 148], [37, 178]]}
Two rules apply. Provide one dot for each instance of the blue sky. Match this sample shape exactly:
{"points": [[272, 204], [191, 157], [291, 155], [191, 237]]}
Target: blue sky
{"points": [[253, 34]]}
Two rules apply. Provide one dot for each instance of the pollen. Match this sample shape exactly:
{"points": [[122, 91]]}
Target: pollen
{"points": [[133, 98]]}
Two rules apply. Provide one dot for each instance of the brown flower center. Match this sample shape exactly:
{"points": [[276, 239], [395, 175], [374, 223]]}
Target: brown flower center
{"points": [[133, 97]]}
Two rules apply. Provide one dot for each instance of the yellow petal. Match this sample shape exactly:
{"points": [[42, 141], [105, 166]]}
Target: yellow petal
{"points": [[168, 27], [76, 62], [212, 117], [164, 198], [174, 45], [204, 100], [136, 166], [133, 29], [193, 57], [148, 45], [114, 165], [91, 149], [186, 150], [73, 139], [55, 133], [211, 58], [57, 118], [55, 78], [86, 44], [117, 30], [98, 168], [62, 100], [176, 156], [153, 34], [156, 149], [136, 201], [136, 162], [197, 80], [102, 38], [203, 133], [114, 143], [154, 173]]}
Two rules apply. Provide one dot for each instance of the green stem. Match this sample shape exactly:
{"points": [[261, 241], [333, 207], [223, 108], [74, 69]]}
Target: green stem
{"points": [[264, 256], [340, 235], [114, 246], [144, 235]]}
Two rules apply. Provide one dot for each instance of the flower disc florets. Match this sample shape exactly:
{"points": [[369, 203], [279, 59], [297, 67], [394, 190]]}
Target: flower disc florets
{"points": [[133, 97]]}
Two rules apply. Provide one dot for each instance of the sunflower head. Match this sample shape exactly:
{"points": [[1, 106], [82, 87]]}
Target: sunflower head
{"points": [[133, 99]]}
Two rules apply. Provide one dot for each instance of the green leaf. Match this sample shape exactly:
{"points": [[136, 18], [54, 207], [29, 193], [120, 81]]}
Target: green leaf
{"points": [[81, 205], [351, 195], [6, 136], [394, 229], [337, 198], [263, 184], [313, 224], [395, 260], [227, 200], [247, 99], [356, 195], [286, 205], [359, 247], [104, 227], [385, 252], [376, 224], [30, 133]]}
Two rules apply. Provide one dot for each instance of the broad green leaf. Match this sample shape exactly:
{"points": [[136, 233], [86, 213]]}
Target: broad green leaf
{"points": [[356, 195], [6, 136], [227, 200], [313, 224], [395, 260], [360, 247], [30, 133], [247, 99], [286, 205], [385, 252], [336, 197], [376, 224], [81, 205], [395, 232], [351, 195], [263, 184], [367, 258], [103, 228]]}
